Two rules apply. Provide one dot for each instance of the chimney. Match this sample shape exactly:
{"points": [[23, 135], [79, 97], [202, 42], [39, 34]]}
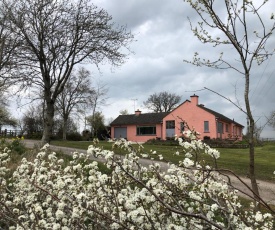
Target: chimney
{"points": [[194, 99], [137, 112]]}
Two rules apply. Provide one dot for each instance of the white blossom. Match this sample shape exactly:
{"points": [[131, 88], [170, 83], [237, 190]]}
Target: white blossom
{"points": [[47, 194]]}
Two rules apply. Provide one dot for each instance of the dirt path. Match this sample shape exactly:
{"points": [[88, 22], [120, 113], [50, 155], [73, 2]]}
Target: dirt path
{"points": [[267, 189]]}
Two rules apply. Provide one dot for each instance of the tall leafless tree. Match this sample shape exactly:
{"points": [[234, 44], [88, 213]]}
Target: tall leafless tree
{"points": [[8, 46], [162, 102], [57, 35], [77, 93], [97, 100], [242, 26]]}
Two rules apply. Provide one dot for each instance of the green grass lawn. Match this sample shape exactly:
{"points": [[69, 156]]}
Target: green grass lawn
{"points": [[236, 160]]}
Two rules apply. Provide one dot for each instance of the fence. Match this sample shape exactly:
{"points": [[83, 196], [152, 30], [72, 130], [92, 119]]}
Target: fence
{"points": [[10, 133]]}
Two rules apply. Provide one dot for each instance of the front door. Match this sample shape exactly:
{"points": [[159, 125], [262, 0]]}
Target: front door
{"points": [[220, 129], [170, 129]]}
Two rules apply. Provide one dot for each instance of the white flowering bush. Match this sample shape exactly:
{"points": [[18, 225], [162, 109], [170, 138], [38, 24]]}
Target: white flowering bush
{"points": [[47, 194]]}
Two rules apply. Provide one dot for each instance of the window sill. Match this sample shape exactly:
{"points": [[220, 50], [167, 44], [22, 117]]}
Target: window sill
{"points": [[146, 135]]}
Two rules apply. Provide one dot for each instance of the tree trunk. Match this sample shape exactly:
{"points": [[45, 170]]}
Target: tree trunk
{"points": [[251, 141], [48, 122], [65, 122], [252, 174], [93, 122]]}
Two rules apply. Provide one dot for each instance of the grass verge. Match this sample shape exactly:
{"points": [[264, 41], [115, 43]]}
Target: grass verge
{"points": [[236, 160]]}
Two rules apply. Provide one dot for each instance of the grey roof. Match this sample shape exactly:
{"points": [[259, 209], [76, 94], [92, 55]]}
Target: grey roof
{"points": [[156, 118], [143, 118], [219, 115]]}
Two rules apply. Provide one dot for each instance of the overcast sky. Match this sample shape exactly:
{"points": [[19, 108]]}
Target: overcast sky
{"points": [[163, 40]]}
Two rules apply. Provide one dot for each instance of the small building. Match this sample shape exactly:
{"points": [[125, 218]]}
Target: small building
{"points": [[141, 127]]}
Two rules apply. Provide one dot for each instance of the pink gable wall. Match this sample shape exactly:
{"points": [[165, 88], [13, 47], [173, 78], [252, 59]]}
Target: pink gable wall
{"points": [[195, 116]]}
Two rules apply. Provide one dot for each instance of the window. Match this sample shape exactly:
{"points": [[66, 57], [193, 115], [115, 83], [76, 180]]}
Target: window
{"points": [[220, 127], [206, 126], [170, 124], [226, 127], [146, 130], [182, 127]]}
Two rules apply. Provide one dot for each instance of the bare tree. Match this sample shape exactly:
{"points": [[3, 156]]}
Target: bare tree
{"points": [[162, 102], [32, 121], [271, 119], [98, 99], [56, 36], [236, 22], [58, 128], [8, 46], [124, 112], [76, 94]]}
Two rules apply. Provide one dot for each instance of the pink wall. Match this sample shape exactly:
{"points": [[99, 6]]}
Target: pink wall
{"points": [[195, 116], [233, 131], [132, 133]]}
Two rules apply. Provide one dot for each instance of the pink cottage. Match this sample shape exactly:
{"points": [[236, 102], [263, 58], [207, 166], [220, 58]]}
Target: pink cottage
{"points": [[140, 127]]}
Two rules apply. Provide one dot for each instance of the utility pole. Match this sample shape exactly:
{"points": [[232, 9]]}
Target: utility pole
{"points": [[134, 103]]}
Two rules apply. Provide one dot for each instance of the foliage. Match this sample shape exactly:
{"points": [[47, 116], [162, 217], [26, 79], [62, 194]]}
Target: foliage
{"points": [[86, 136], [5, 118], [161, 142], [162, 102], [46, 194], [226, 143], [215, 143], [31, 123], [74, 136], [34, 136], [96, 122], [17, 145]]}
